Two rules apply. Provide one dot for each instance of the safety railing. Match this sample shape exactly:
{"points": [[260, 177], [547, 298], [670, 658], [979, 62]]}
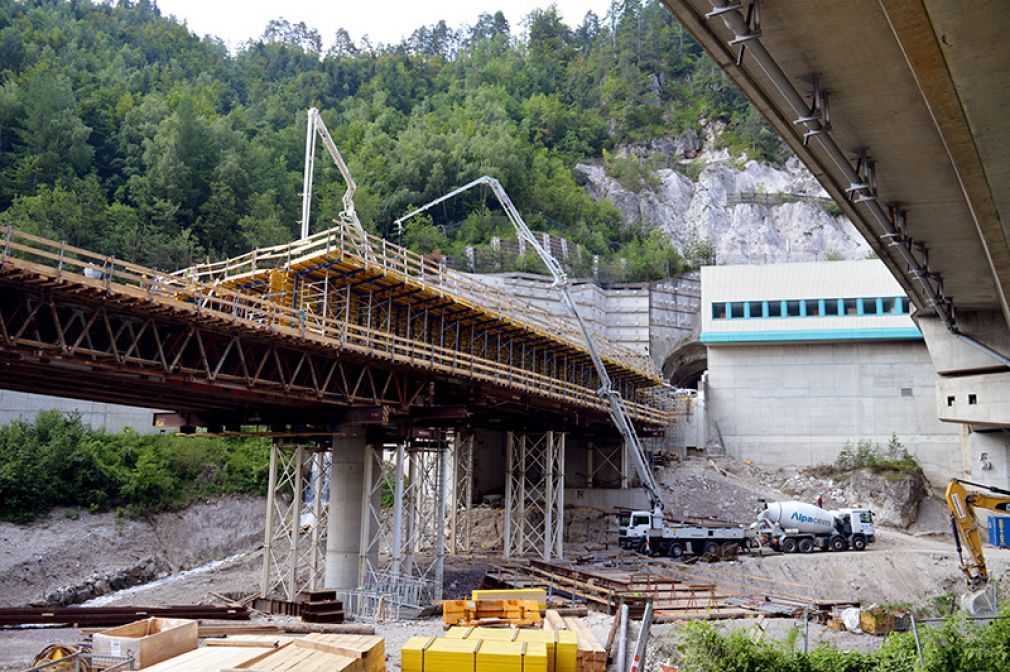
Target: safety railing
{"points": [[344, 239], [66, 263]]}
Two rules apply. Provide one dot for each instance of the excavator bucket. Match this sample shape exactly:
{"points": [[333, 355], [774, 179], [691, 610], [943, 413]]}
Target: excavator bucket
{"points": [[979, 602]]}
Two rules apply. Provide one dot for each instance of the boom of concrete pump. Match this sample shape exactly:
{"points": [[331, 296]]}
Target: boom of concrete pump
{"points": [[316, 127], [615, 404], [961, 503]]}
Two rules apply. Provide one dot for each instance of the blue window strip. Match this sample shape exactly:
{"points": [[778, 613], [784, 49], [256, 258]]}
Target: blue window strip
{"points": [[884, 333], [864, 307]]}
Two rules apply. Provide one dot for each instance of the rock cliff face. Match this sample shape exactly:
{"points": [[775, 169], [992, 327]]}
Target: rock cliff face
{"points": [[782, 217]]}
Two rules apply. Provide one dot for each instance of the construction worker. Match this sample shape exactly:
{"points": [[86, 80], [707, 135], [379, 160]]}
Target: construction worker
{"points": [[820, 499]]}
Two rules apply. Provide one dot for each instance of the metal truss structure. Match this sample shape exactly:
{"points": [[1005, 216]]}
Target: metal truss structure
{"points": [[403, 542], [461, 509], [294, 546], [333, 320], [535, 494]]}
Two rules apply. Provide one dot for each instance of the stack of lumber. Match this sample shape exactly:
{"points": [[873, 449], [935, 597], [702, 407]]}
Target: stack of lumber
{"points": [[213, 658], [590, 655], [445, 654], [561, 646], [276, 652], [484, 612]]}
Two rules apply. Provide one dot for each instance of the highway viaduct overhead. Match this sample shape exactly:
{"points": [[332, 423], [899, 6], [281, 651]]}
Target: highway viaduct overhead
{"points": [[898, 107], [378, 367]]}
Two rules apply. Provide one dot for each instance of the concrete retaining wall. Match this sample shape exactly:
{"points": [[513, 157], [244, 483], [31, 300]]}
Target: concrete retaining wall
{"points": [[798, 405]]}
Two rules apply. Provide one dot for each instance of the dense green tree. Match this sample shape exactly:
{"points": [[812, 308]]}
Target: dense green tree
{"points": [[122, 131]]}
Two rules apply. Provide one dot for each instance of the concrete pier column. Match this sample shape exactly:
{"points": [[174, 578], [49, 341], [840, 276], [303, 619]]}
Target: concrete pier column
{"points": [[344, 522]]}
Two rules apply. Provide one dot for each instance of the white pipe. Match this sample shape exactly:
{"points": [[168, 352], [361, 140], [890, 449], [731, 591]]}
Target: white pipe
{"points": [[736, 23]]}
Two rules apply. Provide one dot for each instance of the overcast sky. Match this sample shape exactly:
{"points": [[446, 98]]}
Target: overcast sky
{"points": [[388, 21]]}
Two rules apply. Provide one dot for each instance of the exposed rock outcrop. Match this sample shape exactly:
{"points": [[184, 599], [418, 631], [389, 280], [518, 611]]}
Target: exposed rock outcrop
{"points": [[788, 221]]}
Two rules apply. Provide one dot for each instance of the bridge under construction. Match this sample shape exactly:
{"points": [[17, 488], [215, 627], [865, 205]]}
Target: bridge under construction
{"points": [[371, 366]]}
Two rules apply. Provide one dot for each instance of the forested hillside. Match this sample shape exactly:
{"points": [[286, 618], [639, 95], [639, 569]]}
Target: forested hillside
{"points": [[123, 132]]}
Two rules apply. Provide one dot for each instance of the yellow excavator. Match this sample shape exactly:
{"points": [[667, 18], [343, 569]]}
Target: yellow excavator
{"points": [[962, 503]]}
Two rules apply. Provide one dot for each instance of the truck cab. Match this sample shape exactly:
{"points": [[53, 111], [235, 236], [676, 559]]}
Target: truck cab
{"points": [[633, 528], [857, 522]]}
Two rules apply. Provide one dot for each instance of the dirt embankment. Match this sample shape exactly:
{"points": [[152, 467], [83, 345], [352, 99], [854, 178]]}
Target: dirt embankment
{"points": [[70, 548]]}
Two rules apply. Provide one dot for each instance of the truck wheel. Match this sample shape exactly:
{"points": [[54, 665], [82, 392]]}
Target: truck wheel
{"points": [[730, 549], [711, 548], [838, 543], [859, 542], [805, 545], [676, 550], [788, 545]]}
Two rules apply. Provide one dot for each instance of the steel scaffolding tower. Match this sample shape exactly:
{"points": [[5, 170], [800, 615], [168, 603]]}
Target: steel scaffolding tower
{"points": [[294, 546], [535, 494]]}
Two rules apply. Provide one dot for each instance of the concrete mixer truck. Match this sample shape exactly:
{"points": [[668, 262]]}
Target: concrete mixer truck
{"points": [[798, 526], [786, 526]]}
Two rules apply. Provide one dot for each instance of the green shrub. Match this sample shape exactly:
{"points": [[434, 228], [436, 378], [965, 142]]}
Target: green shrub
{"points": [[57, 460], [865, 454], [955, 645]]}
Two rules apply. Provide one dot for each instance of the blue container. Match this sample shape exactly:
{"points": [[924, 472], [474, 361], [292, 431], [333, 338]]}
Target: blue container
{"points": [[999, 531]]}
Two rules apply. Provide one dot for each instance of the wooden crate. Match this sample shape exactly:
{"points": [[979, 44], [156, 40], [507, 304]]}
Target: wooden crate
{"points": [[149, 641]]}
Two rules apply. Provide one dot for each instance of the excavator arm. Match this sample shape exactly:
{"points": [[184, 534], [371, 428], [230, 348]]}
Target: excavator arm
{"points": [[962, 504]]}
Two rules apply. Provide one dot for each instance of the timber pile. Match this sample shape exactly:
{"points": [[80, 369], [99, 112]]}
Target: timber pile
{"points": [[607, 588], [269, 653], [518, 613], [590, 655]]}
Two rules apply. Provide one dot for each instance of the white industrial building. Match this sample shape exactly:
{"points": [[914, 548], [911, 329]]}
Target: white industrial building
{"points": [[805, 357]]}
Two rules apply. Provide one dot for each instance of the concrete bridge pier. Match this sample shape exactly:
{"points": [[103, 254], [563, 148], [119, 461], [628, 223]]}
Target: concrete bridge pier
{"points": [[344, 524], [973, 389]]}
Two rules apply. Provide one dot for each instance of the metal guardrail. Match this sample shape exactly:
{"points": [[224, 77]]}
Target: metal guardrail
{"points": [[404, 264], [198, 294]]}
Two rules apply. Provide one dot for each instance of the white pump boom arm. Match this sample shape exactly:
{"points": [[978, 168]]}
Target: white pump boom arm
{"points": [[316, 126], [615, 403]]}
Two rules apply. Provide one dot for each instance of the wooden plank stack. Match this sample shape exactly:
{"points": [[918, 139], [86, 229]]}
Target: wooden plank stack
{"points": [[276, 652], [590, 654], [485, 612]]}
